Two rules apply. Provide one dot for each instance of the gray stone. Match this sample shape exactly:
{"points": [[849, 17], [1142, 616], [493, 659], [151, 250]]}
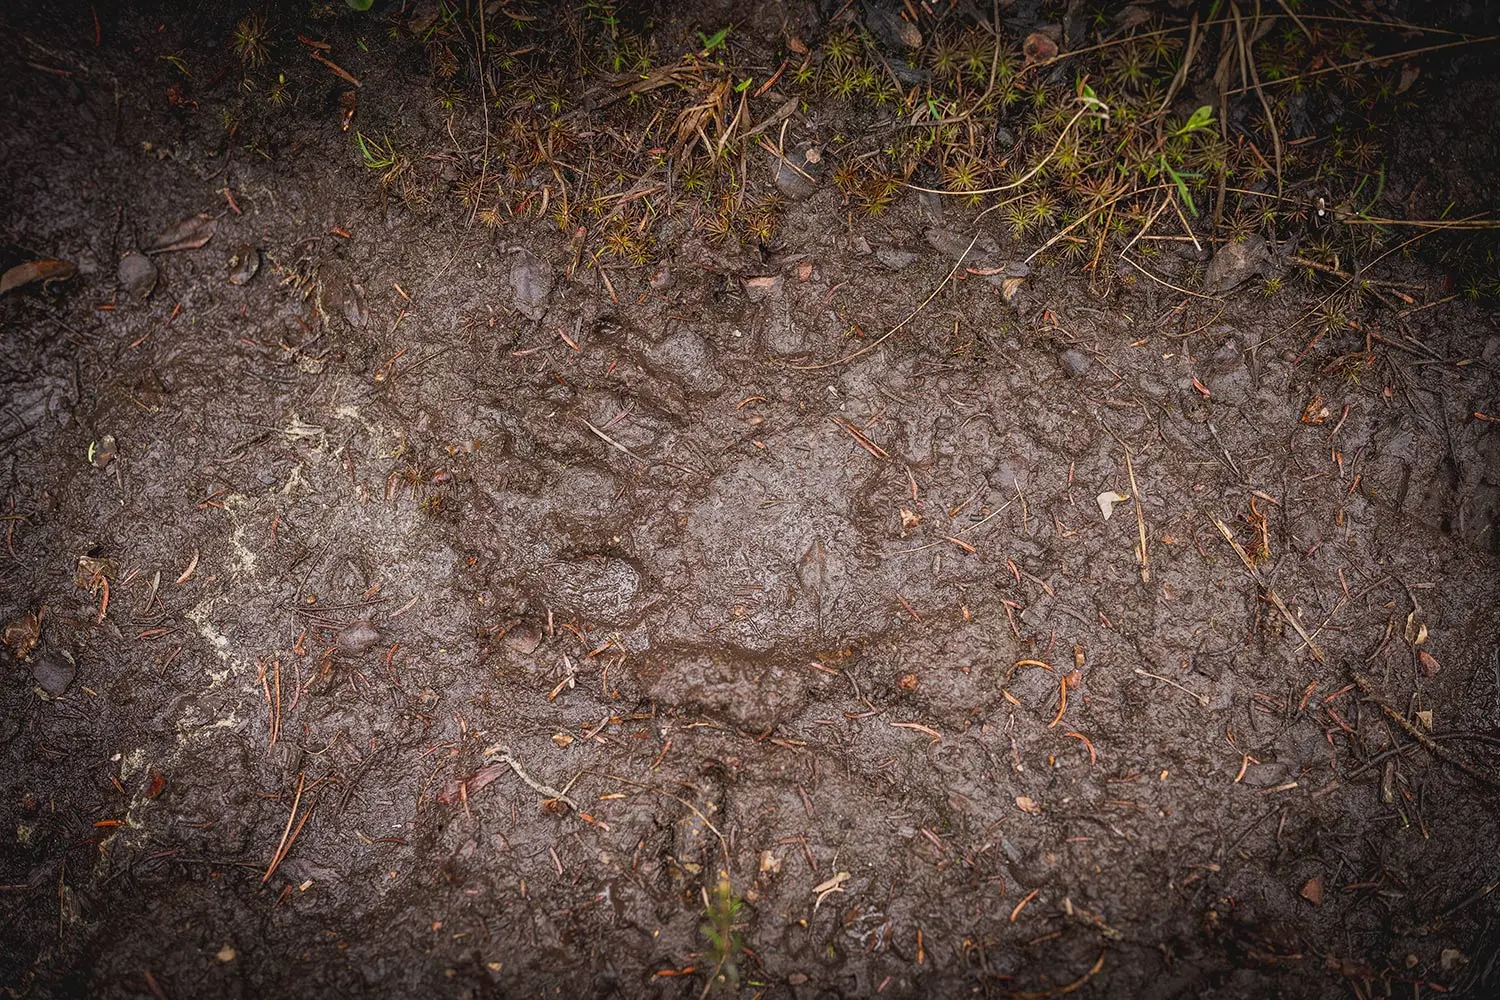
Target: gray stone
{"points": [[893, 258], [798, 174], [687, 358], [54, 672], [1234, 264], [358, 638], [958, 247], [762, 287], [338, 294], [137, 274], [531, 281], [891, 29], [1075, 362]]}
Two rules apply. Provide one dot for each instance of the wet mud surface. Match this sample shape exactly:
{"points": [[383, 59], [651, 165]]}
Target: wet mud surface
{"points": [[496, 612]]}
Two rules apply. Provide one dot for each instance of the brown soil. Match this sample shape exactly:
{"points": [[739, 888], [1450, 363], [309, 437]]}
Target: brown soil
{"points": [[749, 590]]}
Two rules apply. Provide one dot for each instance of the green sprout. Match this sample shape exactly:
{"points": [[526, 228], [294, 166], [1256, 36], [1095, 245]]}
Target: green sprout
{"points": [[378, 155], [714, 41], [722, 911]]}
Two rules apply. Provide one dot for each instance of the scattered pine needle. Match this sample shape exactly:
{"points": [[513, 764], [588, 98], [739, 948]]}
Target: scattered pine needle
{"points": [[1072, 987], [1093, 758]]}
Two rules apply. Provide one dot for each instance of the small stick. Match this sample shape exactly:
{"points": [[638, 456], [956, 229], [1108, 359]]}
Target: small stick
{"points": [[864, 441], [286, 833], [1202, 698], [1140, 517], [276, 719], [1271, 595], [1427, 742], [909, 316], [335, 67], [537, 786], [192, 566], [612, 442]]}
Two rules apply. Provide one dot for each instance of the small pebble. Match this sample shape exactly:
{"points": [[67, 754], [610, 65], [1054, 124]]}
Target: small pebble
{"points": [[54, 672], [531, 281], [358, 638], [137, 274], [761, 287], [797, 175], [523, 638], [1075, 362], [893, 258]]}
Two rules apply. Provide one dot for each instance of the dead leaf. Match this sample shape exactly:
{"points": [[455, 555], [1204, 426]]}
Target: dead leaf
{"points": [[1010, 289], [761, 286], [91, 570], [36, 270], [1315, 412], [1107, 501], [103, 451], [1430, 664], [460, 790], [22, 635], [1028, 805], [188, 234], [1313, 890], [1038, 48], [1409, 74], [1416, 631]]}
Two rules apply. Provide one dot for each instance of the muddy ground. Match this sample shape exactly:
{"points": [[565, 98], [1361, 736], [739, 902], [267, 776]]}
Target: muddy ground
{"points": [[424, 616]]}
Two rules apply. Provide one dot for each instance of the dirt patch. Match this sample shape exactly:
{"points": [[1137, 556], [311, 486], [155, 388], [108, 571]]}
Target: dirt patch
{"points": [[416, 609]]}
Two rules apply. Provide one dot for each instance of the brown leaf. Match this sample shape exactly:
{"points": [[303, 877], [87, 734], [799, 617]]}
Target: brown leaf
{"points": [[188, 234], [1038, 48], [22, 635], [91, 570], [1416, 630], [1315, 412], [36, 270], [455, 790], [1313, 890], [1409, 74]]}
